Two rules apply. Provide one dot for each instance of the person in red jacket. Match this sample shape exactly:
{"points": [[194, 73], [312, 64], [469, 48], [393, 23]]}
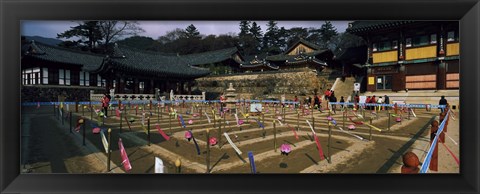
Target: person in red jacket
{"points": [[373, 101], [105, 103], [368, 100]]}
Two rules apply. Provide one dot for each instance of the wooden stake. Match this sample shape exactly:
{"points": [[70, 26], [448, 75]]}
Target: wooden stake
{"points": [[109, 151], [208, 150]]}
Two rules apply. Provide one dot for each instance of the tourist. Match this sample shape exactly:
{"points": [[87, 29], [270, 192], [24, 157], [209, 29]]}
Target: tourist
{"points": [[316, 102], [380, 101], [327, 94], [356, 99], [222, 101], [334, 100], [442, 101], [373, 101], [105, 103], [342, 101], [296, 101], [367, 101], [387, 101]]}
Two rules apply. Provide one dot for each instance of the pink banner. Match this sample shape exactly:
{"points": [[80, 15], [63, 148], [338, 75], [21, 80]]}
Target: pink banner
{"points": [[126, 120], [165, 136], [294, 132], [126, 163], [320, 151]]}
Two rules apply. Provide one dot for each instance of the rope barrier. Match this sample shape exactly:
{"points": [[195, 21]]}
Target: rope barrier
{"points": [[426, 161]]}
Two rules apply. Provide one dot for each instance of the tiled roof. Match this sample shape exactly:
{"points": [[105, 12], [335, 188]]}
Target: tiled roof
{"points": [[284, 57], [305, 42], [210, 56], [365, 26], [156, 64], [88, 61]]}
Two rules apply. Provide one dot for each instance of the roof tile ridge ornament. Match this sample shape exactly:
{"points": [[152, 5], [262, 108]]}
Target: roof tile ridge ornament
{"points": [[117, 53], [34, 49]]}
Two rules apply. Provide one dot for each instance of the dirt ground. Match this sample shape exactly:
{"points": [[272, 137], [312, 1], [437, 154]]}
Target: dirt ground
{"points": [[49, 147]]}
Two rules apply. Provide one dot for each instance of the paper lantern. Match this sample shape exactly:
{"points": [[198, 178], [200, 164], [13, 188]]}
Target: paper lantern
{"points": [[213, 141], [190, 121], [188, 135], [285, 149], [351, 127]]}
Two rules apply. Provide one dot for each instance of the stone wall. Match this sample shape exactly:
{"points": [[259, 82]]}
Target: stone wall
{"points": [[51, 93], [265, 84]]}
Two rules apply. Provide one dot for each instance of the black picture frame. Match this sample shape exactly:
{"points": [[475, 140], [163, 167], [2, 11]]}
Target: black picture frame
{"points": [[12, 12]]}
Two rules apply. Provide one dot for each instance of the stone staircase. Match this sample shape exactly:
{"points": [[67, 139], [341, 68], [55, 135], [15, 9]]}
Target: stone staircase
{"points": [[343, 88]]}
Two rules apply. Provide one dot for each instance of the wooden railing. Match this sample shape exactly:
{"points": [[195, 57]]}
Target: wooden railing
{"points": [[181, 97]]}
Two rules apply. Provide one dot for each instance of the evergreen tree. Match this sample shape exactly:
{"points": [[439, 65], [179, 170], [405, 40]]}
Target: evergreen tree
{"points": [[88, 32], [192, 32], [328, 31], [271, 38], [244, 28], [256, 33]]}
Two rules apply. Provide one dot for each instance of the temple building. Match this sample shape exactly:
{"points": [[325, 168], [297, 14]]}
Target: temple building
{"points": [[126, 70], [407, 55], [302, 54]]}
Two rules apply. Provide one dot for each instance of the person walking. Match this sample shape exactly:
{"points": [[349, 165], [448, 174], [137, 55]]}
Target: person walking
{"points": [[356, 99], [342, 101], [316, 102], [105, 103], [334, 106], [442, 101], [387, 101], [327, 94], [380, 101]]}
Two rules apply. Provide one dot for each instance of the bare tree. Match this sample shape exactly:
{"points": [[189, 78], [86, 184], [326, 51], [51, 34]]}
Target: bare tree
{"points": [[112, 30]]}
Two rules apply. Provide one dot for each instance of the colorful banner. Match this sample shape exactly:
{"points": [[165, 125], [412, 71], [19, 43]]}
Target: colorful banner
{"points": [[165, 136], [104, 141], [236, 118], [125, 161], [294, 132], [182, 122], [319, 147], [252, 162], [195, 142], [159, 167], [232, 144], [259, 124], [208, 118]]}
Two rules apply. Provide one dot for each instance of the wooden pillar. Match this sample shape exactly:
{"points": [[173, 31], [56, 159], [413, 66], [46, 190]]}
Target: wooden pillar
{"points": [[108, 84], [189, 85], [441, 76], [399, 79], [151, 87], [135, 86], [410, 163], [118, 85], [371, 86]]}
